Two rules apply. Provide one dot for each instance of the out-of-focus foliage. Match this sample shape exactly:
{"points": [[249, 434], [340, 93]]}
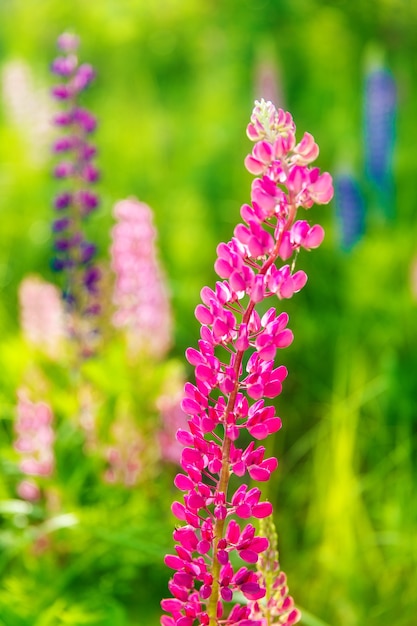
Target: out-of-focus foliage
{"points": [[176, 83]]}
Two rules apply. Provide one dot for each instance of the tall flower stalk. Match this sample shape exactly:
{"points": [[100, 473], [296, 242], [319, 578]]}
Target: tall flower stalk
{"points": [[235, 372], [74, 253]]}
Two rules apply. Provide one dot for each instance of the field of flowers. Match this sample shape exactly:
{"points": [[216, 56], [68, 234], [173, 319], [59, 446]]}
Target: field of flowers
{"points": [[130, 151]]}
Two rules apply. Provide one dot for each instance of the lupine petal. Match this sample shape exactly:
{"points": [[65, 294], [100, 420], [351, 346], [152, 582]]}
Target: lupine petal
{"points": [[203, 315], [167, 620], [178, 510], [261, 510], [222, 268], [315, 237], [259, 544], [174, 562], [252, 591], [253, 165], [226, 593], [259, 431], [191, 407], [284, 339], [244, 511], [183, 482], [248, 555]]}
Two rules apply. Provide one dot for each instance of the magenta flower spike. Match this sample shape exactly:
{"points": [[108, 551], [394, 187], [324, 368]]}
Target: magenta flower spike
{"points": [[74, 254], [216, 545]]}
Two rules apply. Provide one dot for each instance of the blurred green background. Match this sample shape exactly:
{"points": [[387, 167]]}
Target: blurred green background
{"points": [[175, 90]]}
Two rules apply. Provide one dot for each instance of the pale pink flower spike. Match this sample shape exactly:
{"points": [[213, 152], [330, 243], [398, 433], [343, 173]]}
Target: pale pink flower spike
{"points": [[42, 316], [34, 442], [140, 293]]}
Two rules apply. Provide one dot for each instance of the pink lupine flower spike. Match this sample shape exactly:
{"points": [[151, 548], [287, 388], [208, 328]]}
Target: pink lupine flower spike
{"points": [[34, 443], [140, 296], [230, 398]]}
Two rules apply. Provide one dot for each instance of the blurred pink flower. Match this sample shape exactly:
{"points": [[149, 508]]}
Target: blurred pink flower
{"points": [[34, 442], [140, 293], [124, 464], [42, 315], [125, 456], [28, 490], [268, 82], [172, 419], [27, 107]]}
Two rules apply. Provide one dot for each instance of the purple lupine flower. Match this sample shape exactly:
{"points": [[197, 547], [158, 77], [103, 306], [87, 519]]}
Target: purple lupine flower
{"points": [[235, 372], [350, 210], [140, 294], [74, 254], [380, 119], [380, 108]]}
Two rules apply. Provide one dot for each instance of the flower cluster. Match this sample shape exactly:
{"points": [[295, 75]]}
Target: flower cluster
{"points": [[42, 316], [140, 294], [74, 254], [34, 442], [235, 371]]}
